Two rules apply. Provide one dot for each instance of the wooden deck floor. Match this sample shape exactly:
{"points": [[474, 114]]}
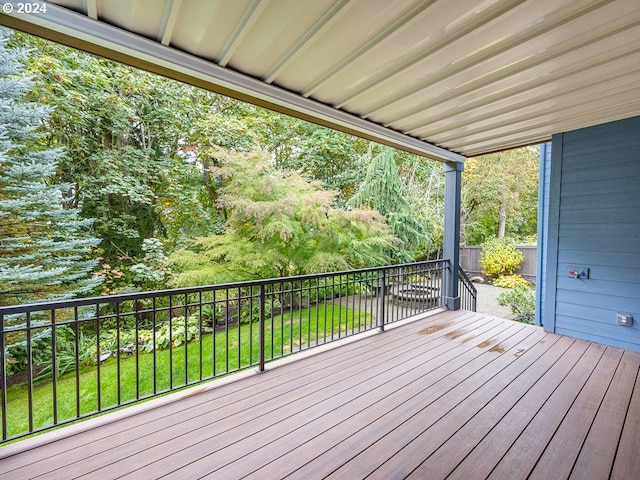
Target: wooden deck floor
{"points": [[454, 395]]}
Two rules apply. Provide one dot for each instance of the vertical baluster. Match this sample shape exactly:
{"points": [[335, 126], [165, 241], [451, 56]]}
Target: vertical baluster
{"points": [[239, 296], [153, 339], [98, 379], [226, 330], [309, 314], [200, 334], [186, 341], [214, 321], [261, 330], [382, 282], [77, 369], [54, 367], [117, 354], [29, 372], [170, 342], [3, 379]]}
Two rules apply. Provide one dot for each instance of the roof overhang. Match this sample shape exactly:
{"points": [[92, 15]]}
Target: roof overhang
{"points": [[69, 28], [440, 79]]}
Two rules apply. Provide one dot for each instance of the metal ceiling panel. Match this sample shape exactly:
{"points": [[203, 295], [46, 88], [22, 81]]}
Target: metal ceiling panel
{"points": [[439, 78]]}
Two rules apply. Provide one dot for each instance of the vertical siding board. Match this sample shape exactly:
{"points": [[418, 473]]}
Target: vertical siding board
{"points": [[543, 213], [548, 315], [594, 222]]}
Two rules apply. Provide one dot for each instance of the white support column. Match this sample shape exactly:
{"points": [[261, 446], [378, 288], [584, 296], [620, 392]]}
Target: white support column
{"points": [[452, 198]]}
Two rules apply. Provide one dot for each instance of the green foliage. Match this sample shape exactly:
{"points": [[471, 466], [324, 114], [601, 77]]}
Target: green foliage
{"points": [[45, 246], [423, 187], [130, 157], [332, 157], [65, 359], [151, 272], [147, 158], [17, 358], [510, 281], [174, 335], [382, 190], [16, 351], [522, 302], [499, 256], [279, 224], [500, 195]]}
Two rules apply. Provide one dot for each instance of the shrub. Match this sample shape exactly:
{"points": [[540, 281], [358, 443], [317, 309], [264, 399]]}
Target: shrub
{"points": [[16, 351], [522, 302], [66, 353], [499, 257], [179, 333], [510, 281]]}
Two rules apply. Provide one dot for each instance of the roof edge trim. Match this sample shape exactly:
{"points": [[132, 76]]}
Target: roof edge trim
{"points": [[79, 31]]}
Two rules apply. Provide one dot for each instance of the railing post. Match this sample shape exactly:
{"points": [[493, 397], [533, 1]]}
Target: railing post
{"points": [[381, 295], [261, 327], [452, 200]]}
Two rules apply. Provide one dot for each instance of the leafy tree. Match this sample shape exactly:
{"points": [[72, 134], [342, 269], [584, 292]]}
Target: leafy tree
{"points": [[423, 187], [332, 157], [125, 132], [44, 245], [319, 153], [500, 195], [279, 224], [382, 190]]}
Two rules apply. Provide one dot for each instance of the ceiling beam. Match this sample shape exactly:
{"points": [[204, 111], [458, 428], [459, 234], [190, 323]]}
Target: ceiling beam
{"points": [[91, 7], [169, 21], [369, 45], [76, 30], [251, 16], [318, 29]]}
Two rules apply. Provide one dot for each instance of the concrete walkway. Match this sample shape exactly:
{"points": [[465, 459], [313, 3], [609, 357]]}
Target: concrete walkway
{"points": [[487, 301]]}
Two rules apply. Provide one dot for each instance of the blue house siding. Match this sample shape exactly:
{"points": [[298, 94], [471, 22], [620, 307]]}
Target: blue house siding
{"points": [[543, 227], [593, 222]]}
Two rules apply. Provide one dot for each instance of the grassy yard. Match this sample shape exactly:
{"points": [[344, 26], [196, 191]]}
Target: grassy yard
{"points": [[216, 354]]}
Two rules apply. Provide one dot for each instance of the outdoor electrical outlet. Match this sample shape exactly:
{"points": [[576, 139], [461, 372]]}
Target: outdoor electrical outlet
{"points": [[579, 272], [624, 319]]}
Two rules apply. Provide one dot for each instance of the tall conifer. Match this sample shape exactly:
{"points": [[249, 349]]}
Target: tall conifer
{"points": [[382, 191], [44, 244]]}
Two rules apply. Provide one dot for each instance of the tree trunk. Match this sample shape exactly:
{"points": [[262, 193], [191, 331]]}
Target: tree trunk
{"points": [[503, 220], [208, 181]]}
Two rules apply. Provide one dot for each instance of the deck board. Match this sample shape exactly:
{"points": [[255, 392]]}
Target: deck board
{"points": [[544, 402], [452, 395], [565, 428], [627, 463], [411, 420], [342, 442], [597, 456]]}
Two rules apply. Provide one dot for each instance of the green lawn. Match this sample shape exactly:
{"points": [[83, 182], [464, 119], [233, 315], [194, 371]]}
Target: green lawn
{"points": [[76, 394]]}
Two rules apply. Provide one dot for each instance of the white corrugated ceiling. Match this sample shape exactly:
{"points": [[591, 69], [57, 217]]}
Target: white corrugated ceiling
{"points": [[466, 76]]}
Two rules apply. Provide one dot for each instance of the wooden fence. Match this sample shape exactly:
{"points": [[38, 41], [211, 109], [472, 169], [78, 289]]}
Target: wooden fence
{"points": [[470, 261]]}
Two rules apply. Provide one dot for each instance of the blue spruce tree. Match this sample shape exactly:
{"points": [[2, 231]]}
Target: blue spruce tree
{"points": [[44, 244]]}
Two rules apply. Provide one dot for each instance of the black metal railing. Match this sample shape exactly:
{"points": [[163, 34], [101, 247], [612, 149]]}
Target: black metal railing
{"points": [[467, 290], [67, 360]]}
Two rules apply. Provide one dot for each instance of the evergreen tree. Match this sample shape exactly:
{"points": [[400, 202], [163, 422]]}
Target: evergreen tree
{"points": [[382, 190], [44, 245]]}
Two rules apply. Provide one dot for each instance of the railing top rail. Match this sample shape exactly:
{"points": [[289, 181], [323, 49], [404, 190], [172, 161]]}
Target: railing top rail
{"points": [[467, 280], [103, 300]]}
